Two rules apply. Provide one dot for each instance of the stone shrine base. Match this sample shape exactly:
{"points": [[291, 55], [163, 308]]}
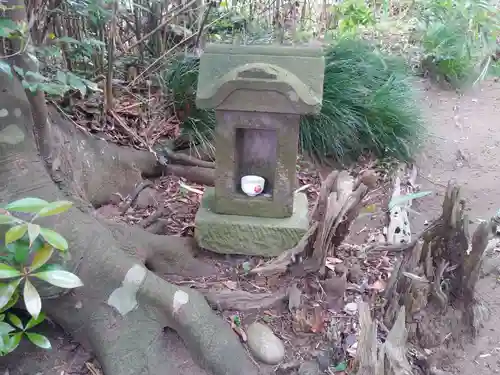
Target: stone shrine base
{"points": [[249, 235]]}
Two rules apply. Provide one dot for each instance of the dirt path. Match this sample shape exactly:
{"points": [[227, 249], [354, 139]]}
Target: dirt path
{"points": [[465, 145]]}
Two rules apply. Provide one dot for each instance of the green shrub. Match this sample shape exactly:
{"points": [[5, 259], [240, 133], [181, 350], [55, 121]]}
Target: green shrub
{"points": [[368, 105], [458, 39], [24, 260]]}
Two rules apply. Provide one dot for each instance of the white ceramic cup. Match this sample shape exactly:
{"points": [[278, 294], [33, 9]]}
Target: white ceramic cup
{"points": [[252, 185]]}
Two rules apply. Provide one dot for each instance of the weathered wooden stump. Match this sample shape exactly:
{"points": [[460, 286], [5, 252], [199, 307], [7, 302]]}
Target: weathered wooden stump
{"points": [[430, 297]]}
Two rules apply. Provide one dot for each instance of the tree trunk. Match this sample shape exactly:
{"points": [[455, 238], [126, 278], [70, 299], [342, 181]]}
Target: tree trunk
{"points": [[123, 326]]}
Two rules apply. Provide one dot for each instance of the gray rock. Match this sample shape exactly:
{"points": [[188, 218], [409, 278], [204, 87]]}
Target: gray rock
{"points": [[264, 344], [309, 368]]}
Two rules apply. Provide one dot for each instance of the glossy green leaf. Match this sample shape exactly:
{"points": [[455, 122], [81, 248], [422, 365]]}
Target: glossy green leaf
{"points": [[28, 205], [21, 250], [6, 271], [41, 257], [34, 322], [14, 342], [7, 219], [55, 208], [60, 278], [5, 328], [54, 239], [14, 319], [8, 295], [15, 233], [33, 232], [39, 340], [32, 299]]}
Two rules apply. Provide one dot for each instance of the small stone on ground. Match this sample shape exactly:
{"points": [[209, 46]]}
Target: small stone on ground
{"points": [[264, 344]]}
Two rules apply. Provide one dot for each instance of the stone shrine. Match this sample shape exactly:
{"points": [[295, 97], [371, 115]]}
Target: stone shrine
{"points": [[259, 94]]}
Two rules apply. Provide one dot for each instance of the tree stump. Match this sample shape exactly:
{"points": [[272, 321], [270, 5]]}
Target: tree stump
{"points": [[430, 297]]}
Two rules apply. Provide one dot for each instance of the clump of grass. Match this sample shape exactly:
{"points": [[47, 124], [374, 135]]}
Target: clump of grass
{"points": [[368, 105], [457, 40]]}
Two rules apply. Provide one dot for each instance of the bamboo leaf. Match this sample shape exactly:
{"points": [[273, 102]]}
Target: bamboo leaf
{"points": [[29, 205], [55, 239], [15, 233], [6, 272], [60, 278], [32, 299]]}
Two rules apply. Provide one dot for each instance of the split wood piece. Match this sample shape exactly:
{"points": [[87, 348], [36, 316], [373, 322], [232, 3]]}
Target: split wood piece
{"points": [[337, 206], [387, 358]]}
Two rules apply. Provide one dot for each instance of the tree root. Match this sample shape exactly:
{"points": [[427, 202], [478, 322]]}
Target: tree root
{"points": [[337, 206], [126, 333]]}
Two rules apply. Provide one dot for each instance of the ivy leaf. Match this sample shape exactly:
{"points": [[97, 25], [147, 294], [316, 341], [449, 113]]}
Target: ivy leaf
{"points": [[6, 272], [33, 232], [32, 299], [54, 239], [28, 205], [41, 257], [39, 340], [53, 88], [76, 83], [5, 68], [61, 76], [60, 278], [5, 328], [37, 77], [55, 208], [15, 233], [19, 71], [6, 293], [67, 39], [34, 322], [14, 319]]}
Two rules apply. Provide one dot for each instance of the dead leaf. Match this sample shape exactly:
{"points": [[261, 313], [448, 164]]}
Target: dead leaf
{"points": [[378, 285], [233, 285], [317, 320], [331, 262], [240, 332]]}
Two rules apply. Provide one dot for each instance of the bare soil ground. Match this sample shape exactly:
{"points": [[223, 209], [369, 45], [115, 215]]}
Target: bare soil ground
{"points": [[463, 145]]}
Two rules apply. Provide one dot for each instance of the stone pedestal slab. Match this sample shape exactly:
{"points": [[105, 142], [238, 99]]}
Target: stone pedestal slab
{"points": [[249, 235]]}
